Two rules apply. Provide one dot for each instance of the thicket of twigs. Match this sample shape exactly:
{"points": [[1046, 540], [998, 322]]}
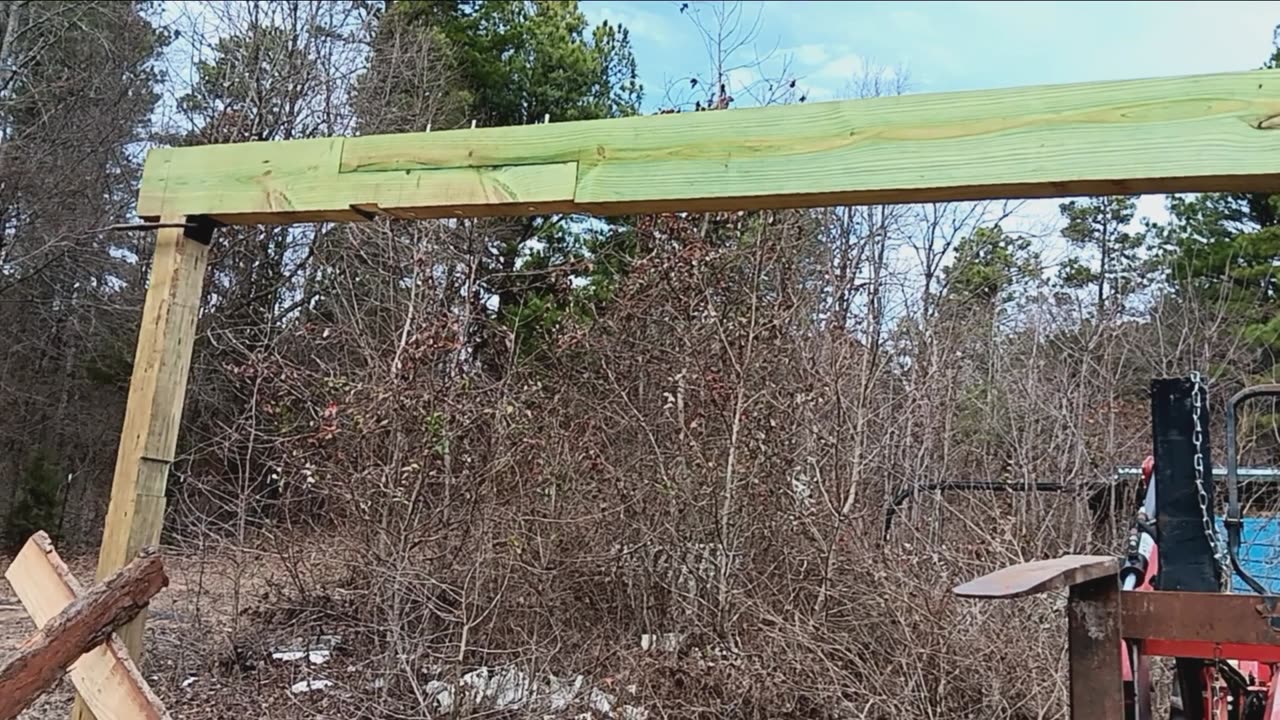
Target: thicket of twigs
{"points": [[709, 460]]}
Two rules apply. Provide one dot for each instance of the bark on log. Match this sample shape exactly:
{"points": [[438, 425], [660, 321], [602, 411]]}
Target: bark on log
{"points": [[80, 627]]}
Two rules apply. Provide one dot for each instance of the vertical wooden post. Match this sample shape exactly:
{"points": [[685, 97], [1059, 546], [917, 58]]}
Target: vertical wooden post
{"points": [[156, 393]]}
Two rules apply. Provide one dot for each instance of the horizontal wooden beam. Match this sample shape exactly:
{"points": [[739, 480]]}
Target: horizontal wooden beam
{"points": [[1182, 134], [1039, 576]]}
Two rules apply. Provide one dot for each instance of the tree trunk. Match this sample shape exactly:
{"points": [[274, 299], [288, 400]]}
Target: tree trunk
{"points": [[1102, 279]]}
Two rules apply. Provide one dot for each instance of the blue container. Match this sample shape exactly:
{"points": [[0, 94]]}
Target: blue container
{"points": [[1259, 552]]}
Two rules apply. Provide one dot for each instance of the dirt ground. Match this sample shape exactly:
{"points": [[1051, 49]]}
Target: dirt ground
{"points": [[199, 664], [206, 662]]}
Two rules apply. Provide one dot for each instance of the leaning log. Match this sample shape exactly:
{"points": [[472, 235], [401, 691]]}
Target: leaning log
{"points": [[83, 625]]}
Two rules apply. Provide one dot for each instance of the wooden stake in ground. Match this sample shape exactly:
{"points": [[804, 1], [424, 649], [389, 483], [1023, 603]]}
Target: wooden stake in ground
{"points": [[76, 633]]}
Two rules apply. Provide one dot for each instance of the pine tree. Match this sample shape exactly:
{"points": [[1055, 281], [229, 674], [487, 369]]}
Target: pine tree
{"points": [[1099, 226], [987, 265], [39, 505], [1223, 249], [512, 63]]}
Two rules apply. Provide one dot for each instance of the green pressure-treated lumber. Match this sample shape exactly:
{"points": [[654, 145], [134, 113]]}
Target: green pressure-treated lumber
{"points": [[1198, 133]]}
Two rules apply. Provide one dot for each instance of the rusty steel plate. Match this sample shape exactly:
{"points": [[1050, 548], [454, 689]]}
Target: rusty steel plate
{"points": [[1040, 576]]}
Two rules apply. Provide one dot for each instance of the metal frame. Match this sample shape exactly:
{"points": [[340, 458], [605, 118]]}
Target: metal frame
{"points": [[1165, 623], [1177, 610]]}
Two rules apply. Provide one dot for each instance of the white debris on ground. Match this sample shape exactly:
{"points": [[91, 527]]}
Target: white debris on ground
{"points": [[602, 702], [561, 693], [442, 694], [661, 642], [305, 686], [317, 651], [502, 688], [507, 688], [631, 712]]}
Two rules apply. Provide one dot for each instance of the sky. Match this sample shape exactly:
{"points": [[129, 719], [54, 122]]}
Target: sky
{"points": [[955, 45], [942, 46]]}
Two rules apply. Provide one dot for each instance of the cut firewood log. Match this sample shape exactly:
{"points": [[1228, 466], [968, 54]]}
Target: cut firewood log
{"points": [[84, 624]]}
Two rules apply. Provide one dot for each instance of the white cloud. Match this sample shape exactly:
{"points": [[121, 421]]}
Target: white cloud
{"points": [[831, 70], [825, 69], [1153, 207], [808, 54], [844, 67], [741, 79], [821, 93], [641, 23]]}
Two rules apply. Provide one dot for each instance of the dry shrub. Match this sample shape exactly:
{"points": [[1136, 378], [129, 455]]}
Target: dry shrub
{"points": [[702, 463], [675, 490]]}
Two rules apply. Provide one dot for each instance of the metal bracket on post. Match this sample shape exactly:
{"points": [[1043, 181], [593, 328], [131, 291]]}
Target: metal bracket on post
{"points": [[200, 228], [197, 227]]}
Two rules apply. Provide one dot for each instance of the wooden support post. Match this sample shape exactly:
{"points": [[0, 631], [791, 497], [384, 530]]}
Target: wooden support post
{"points": [[157, 390], [81, 626]]}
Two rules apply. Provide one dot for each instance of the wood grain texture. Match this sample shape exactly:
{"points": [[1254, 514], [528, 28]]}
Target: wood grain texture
{"points": [[1199, 617], [1210, 132], [157, 391], [104, 676], [280, 182], [85, 623]]}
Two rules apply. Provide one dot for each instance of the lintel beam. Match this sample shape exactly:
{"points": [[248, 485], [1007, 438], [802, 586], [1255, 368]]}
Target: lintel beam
{"points": [[1182, 134]]}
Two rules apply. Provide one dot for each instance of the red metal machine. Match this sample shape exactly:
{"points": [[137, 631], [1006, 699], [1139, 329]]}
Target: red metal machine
{"points": [[1169, 595], [1234, 689]]}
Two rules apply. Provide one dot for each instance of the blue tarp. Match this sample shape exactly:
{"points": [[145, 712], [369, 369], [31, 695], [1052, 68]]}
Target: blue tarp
{"points": [[1259, 552]]}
